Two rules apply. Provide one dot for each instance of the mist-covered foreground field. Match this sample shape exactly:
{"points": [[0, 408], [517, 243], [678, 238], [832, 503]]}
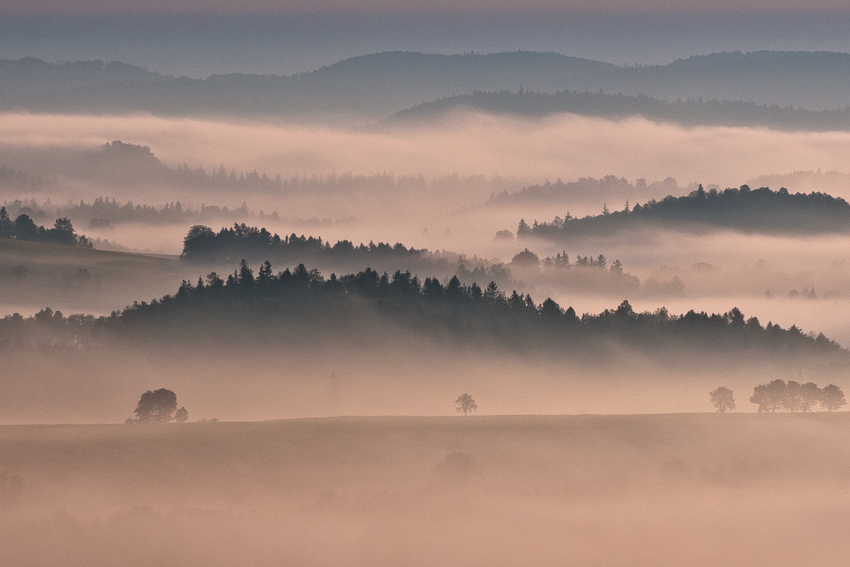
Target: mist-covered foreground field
{"points": [[675, 489]]}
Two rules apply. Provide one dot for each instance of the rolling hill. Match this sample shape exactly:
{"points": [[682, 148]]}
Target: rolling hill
{"points": [[375, 86]]}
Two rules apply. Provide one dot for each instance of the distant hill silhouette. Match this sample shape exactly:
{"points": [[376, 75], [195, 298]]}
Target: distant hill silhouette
{"points": [[608, 189], [300, 304], [745, 210], [688, 112], [376, 86]]}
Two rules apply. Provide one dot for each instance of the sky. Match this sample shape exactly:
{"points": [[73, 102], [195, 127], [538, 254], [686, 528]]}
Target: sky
{"points": [[198, 45], [417, 6]]}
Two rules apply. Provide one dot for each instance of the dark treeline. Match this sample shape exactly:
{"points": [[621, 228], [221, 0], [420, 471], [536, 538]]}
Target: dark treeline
{"points": [[690, 112], [228, 245], [588, 189], [760, 210], [103, 212], [24, 228], [299, 303], [794, 396]]}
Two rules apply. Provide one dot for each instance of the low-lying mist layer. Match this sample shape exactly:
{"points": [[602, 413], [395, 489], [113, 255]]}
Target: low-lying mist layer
{"points": [[690, 112], [761, 490], [291, 331], [565, 146]]}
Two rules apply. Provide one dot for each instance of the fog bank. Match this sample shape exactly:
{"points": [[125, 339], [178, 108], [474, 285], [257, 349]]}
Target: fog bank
{"points": [[565, 146]]}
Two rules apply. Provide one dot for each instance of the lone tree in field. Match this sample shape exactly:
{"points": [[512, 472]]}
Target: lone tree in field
{"points": [[466, 404], [157, 406], [723, 399], [832, 398]]}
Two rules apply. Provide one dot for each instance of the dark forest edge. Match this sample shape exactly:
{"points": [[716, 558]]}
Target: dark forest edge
{"points": [[24, 228], [745, 210], [202, 245], [299, 304]]}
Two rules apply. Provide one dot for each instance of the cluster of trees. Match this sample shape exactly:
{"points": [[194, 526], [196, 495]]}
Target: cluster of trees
{"points": [[690, 112], [24, 228], [228, 245], [104, 212], [202, 244], [587, 189], [723, 399], [47, 327], [793, 396], [588, 272], [561, 260], [743, 209], [780, 395], [158, 406]]}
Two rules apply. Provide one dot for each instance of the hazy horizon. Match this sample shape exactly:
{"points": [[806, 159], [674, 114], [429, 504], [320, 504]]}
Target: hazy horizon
{"points": [[201, 44], [609, 327]]}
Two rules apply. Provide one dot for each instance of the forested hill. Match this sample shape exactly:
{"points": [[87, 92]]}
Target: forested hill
{"points": [[301, 304], [376, 86], [689, 112], [745, 210], [203, 245], [587, 190]]}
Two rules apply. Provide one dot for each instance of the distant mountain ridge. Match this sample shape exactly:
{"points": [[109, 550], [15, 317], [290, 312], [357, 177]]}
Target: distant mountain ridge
{"points": [[375, 86]]}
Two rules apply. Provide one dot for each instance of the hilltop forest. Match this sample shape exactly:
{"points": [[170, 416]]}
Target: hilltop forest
{"points": [[744, 210], [301, 304]]}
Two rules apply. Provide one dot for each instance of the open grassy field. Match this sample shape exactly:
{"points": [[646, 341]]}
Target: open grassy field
{"points": [[675, 489], [35, 275]]}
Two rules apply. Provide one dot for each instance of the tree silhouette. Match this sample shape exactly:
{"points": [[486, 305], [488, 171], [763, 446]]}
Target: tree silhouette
{"points": [[7, 228], [832, 398], [723, 399], [182, 415], [156, 406], [769, 397], [466, 404], [523, 229], [792, 398], [810, 394]]}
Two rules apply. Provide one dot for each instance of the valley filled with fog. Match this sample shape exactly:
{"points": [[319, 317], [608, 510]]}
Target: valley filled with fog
{"points": [[330, 283]]}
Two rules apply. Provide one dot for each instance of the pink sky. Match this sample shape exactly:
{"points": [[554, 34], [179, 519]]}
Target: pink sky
{"points": [[418, 6]]}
